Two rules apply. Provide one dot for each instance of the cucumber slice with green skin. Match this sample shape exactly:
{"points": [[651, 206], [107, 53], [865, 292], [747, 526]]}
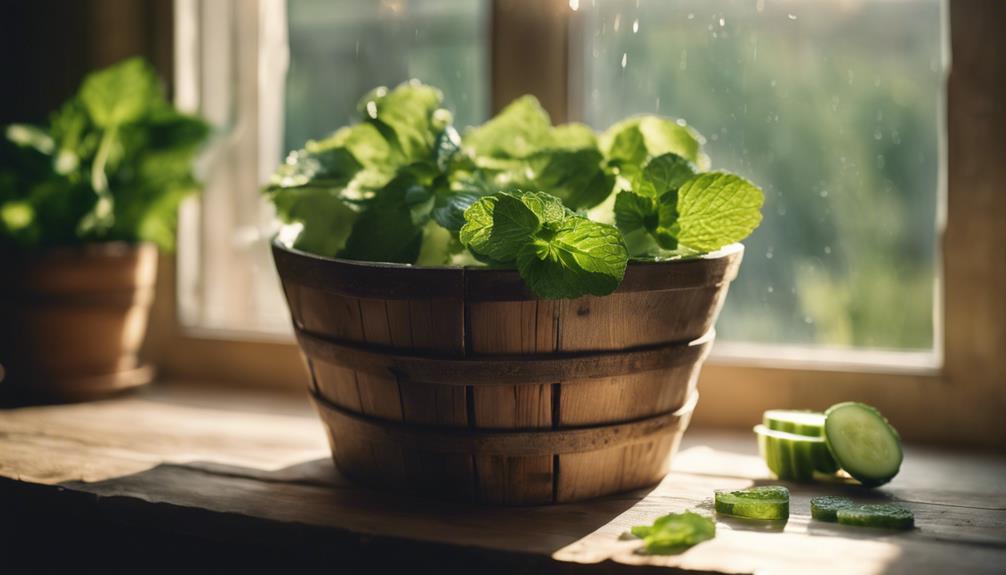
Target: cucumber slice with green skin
{"points": [[863, 443], [795, 421], [826, 508], [769, 502], [794, 457], [884, 515]]}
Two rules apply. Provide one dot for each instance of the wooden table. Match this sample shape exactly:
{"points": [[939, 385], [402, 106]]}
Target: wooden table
{"points": [[180, 474]]}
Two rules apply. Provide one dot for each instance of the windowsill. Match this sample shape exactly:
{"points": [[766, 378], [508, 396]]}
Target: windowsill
{"points": [[773, 356], [191, 472]]}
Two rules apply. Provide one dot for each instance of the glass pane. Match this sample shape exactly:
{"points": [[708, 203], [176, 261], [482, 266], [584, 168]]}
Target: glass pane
{"points": [[835, 109], [341, 49]]}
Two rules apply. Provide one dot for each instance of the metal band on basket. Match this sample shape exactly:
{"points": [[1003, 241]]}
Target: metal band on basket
{"points": [[534, 369], [502, 442]]}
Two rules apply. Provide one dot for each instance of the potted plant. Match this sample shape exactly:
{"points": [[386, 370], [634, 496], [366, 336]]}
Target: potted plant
{"points": [[84, 202], [516, 316]]}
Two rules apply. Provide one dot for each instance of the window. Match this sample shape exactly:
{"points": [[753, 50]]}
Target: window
{"points": [[244, 64], [835, 108], [273, 74]]}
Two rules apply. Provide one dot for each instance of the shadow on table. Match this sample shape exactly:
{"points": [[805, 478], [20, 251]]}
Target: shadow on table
{"points": [[304, 514]]}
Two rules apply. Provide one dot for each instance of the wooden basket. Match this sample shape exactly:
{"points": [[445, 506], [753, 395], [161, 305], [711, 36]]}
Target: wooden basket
{"points": [[460, 383], [72, 319]]}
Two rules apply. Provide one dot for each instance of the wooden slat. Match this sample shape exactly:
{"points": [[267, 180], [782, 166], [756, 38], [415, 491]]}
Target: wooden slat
{"points": [[437, 326], [508, 328]]}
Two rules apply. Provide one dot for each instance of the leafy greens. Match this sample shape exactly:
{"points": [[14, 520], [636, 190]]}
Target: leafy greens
{"points": [[112, 163], [675, 532], [401, 185]]}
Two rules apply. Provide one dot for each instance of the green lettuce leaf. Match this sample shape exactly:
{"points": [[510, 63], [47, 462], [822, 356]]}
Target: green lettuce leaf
{"points": [[520, 148], [390, 228], [519, 130], [629, 144]]}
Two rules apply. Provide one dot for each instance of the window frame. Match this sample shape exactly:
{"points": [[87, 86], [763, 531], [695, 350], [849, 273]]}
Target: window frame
{"points": [[958, 401]]}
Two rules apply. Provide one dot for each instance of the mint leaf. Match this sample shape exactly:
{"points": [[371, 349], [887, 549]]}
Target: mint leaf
{"points": [[664, 173], [675, 532], [558, 253], [634, 212], [499, 226], [547, 207], [717, 209], [578, 257]]}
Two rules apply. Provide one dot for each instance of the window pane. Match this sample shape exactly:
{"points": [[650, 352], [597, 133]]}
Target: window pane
{"points": [[835, 109], [341, 49]]}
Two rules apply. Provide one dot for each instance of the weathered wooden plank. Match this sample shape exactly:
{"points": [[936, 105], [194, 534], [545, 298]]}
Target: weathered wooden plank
{"points": [[212, 453]]}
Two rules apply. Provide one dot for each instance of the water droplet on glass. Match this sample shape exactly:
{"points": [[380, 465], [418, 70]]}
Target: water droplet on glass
{"points": [[769, 255], [808, 320], [635, 25], [827, 250], [574, 5], [771, 289], [791, 16], [618, 22], [625, 59], [824, 193], [691, 16], [878, 135], [723, 22]]}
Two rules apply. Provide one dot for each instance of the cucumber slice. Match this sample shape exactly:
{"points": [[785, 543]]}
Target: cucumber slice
{"points": [[883, 515], [863, 442], [826, 508], [795, 421], [794, 457], [769, 502]]}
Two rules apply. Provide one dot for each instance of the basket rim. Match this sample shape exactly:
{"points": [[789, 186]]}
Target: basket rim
{"points": [[379, 280]]}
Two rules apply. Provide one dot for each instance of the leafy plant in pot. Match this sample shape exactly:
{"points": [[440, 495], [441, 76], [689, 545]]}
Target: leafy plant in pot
{"points": [[515, 316], [85, 200]]}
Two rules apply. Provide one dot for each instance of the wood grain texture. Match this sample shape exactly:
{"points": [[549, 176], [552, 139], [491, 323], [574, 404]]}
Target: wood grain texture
{"points": [[253, 468], [496, 328], [499, 359]]}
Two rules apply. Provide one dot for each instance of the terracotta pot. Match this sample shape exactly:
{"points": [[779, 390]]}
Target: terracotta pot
{"points": [[72, 319], [461, 383]]}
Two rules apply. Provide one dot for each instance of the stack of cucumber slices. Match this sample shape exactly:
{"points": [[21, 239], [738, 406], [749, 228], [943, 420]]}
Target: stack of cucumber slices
{"points": [[798, 445], [771, 503]]}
